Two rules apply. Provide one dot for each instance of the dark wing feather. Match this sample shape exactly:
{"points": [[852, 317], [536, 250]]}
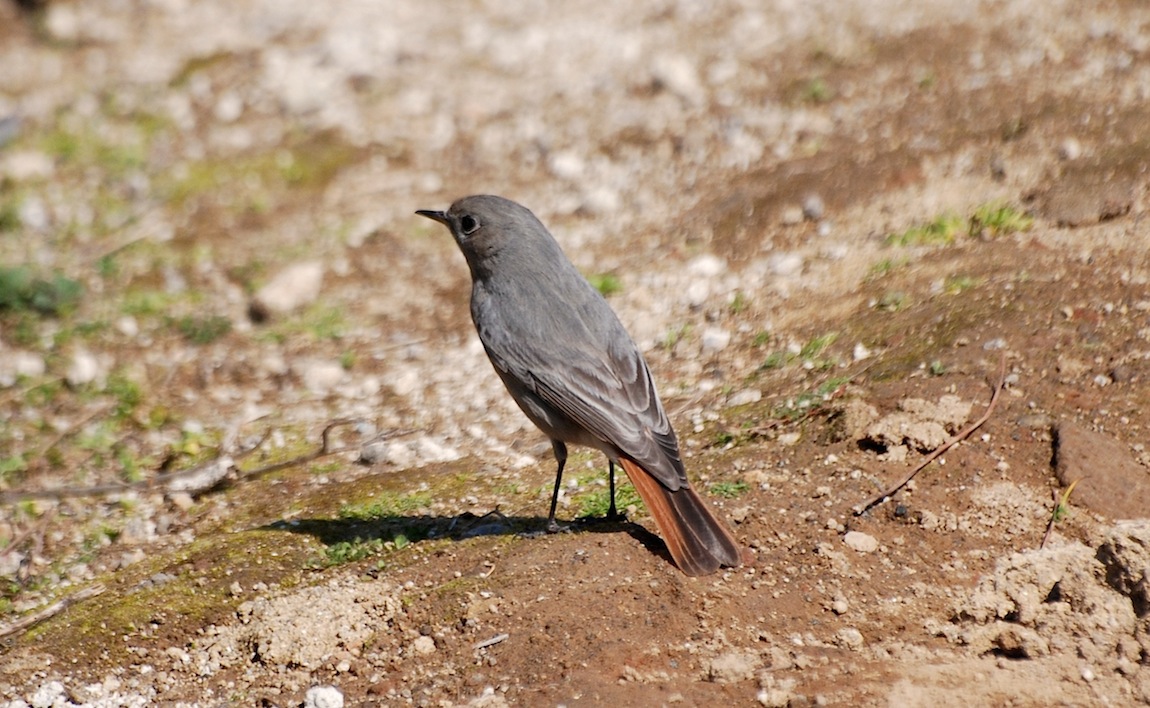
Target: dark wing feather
{"points": [[595, 377]]}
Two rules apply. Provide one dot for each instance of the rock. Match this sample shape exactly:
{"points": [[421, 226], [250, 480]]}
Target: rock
{"points": [[776, 692], [745, 397], [921, 424], [733, 666], [1052, 601], [321, 376], [791, 215], [1125, 552], [849, 638], [18, 364], [850, 419], [677, 74], [785, 264], [323, 697], [423, 645], [707, 266], [23, 165], [293, 287], [1083, 198], [49, 695], [715, 339], [83, 369], [566, 164], [1111, 482], [861, 542], [1070, 149], [813, 207]]}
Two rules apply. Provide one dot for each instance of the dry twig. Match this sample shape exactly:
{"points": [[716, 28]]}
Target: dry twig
{"points": [[54, 609], [965, 433]]}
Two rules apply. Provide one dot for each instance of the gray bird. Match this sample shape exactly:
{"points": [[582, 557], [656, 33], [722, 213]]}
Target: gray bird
{"points": [[576, 373]]}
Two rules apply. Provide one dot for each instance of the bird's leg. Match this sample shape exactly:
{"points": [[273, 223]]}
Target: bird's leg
{"points": [[560, 457], [612, 513]]}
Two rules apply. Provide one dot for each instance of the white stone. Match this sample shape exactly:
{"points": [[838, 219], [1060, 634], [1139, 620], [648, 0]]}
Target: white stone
{"points": [[861, 542], [707, 266], [23, 165], [715, 339], [293, 287], [83, 369], [424, 645], [323, 697], [566, 164], [678, 75], [744, 397], [321, 376], [785, 264]]}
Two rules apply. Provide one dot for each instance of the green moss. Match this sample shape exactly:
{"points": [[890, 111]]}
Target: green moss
{"points": [[606, 283], [943, 230], [728, 490]]}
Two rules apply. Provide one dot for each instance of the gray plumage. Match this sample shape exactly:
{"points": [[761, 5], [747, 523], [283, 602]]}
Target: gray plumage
{"points": [[569, 363]]}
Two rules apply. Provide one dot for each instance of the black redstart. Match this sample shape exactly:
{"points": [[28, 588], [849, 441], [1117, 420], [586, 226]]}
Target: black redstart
{"points": [[573, 369]]}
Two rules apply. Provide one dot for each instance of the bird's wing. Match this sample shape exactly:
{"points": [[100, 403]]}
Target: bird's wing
{"points": [[603, 387]]}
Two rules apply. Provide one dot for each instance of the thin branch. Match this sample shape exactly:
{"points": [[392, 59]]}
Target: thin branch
{"points": [[54, 609], [966, 432]]}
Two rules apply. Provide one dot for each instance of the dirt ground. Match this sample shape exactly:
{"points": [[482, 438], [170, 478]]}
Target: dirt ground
{"points": [[836, 229]]}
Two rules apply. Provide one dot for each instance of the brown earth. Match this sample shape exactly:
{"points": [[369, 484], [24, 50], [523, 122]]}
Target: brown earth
{"points": [[830, 228]]}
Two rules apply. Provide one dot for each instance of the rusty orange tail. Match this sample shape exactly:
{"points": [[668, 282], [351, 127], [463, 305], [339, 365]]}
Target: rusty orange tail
{"points": [[697, 540]]}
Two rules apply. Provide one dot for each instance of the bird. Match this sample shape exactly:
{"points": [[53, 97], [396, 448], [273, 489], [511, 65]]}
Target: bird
{"points": [[576, 373]]}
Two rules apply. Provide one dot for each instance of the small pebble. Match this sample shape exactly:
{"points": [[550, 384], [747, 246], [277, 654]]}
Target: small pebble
{"points": [[424, 645], [813, 207], [323, 697], [1070, 149], [861, 542]]}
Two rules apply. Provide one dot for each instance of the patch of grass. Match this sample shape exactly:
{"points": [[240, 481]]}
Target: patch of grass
{"points": [[998, 219], [256, 182], [816, 346], [810, 354], [203, 330], [989, 220], [739, 302], [606, 283], [816, 90], [956, 284], [777, 360], [893, 301], [943, 230], [11, 467], [676, 335], [885, 266], [384, 506], [597, 503], [760, 339], [728, 490], [936, 368], [126, 392], [22, 290], [343, 552], [9, 215], [145, 303], [803, 403]]}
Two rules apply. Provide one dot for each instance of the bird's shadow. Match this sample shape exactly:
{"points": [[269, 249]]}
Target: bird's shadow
{"points": [[401, 530]]}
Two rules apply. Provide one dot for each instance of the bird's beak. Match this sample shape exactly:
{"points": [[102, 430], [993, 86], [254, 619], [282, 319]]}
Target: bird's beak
{"points": [[440, 216]]}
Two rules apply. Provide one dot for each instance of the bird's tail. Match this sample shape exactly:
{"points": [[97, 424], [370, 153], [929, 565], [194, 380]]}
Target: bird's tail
{"points": [[697, 540]]}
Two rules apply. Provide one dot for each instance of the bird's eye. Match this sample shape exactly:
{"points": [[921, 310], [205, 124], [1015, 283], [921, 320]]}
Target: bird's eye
{"points": [[468, 224]]}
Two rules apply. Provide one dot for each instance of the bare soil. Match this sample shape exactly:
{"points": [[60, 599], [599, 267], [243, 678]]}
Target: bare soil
{"points": [[754, 186]]}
